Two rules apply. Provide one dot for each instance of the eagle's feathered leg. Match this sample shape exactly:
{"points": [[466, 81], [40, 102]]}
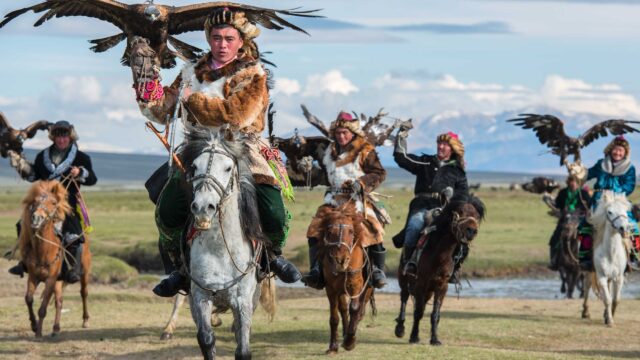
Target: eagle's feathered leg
{"points": [[185, 51], [104, 44]]}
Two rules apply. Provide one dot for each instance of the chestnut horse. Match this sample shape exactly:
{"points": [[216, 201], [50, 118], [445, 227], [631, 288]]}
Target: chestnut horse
{"points": [[45, 208], [568, 265], [346, 269], [456, 227]]}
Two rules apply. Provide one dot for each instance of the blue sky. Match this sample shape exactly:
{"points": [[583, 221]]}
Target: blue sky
{"points": [[460, 65]]}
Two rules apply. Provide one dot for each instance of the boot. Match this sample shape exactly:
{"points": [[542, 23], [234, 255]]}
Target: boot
{"points": [[285, 270], [19, 269], [410, 266], [73, 275], [314, 278], [172, 285], [377, 254]]}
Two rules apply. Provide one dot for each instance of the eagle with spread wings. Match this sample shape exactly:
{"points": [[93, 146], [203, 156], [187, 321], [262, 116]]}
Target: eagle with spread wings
{"points": [[12, 139], [157, 23], [550, 131]]}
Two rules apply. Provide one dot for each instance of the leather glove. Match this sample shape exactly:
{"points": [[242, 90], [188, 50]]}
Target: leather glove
{"points": [[142, 60], [446, 194], [14, 158]]}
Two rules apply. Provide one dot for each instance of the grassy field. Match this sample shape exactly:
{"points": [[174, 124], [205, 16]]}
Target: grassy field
{"points": [[126, 324], [512, 240]]}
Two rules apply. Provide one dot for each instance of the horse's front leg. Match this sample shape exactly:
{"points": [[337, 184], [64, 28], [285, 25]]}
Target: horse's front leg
{"points": [[616, 292], [84, 291], [435, 316], [58, 300], [201, 313], [242, 314], [334, 321], [418, 312], [404, 297], [606, 299], [586, 287], [32, 284], [167, 333], [50, 285]]}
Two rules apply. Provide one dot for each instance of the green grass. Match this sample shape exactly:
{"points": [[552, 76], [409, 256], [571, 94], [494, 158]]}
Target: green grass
{"points": [[513, 239]]}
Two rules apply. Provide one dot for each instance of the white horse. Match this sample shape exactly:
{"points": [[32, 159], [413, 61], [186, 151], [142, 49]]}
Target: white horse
{"points": [[610, 243], [223, 260]]}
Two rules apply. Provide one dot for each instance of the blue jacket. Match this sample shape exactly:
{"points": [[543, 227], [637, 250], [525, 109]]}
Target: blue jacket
{"points": [[625, 183]]}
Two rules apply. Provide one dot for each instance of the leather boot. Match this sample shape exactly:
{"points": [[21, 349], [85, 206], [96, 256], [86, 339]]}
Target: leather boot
{"points": [[19, 269], [285, 270], [172, 285], [410, 266], [377, 254], [314, 278], [74, 274]]}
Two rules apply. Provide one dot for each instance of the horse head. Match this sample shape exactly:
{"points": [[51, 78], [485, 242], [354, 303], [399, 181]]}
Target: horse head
{"points": [[211, 162], [46, 201], [570, 222], [342, 229], [465, 213], [612, 208]]}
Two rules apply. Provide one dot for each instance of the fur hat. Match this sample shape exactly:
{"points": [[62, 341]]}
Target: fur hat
{"points": [[457, 146], [346, 121], [618, 141], [62, 127], [224, 16]]}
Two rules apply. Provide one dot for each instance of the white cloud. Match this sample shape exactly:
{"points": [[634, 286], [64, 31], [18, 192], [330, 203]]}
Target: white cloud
{"points": [[286, 86], [332, 82], [71, 89]]}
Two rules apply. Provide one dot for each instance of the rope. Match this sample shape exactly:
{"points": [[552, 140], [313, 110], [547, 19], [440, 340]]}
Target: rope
{"points": [[404, 153]]}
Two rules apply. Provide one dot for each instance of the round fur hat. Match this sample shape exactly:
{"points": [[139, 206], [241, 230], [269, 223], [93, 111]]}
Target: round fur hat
{"points": [[457, 147], [618, 141], [346, 121], [236, 19], [63, 127]]}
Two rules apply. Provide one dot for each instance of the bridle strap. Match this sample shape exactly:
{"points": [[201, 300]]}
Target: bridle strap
{"points": [[208, 180], [456, 225]]}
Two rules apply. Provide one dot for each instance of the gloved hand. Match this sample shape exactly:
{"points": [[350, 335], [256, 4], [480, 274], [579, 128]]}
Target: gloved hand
{"points": [[142, 60], [14, 158], [446, 194], [356, 187]]}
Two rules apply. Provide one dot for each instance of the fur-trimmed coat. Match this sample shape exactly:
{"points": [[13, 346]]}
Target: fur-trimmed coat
{"points": [[236, 95]]}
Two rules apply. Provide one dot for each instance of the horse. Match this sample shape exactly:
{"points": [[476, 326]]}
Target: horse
{"points": [[456, 227], [567, 260], [223, 267], [611, 227], [346, 269], [45, 208]]}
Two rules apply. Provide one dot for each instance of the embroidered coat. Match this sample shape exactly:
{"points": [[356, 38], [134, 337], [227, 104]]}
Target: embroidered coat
{"points": [[624, 183], [235, 95], [44, 169], [358, 161]]}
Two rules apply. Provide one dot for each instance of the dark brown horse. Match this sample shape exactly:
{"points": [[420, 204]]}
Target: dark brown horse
{"points": [[568, 265], [42, 252], [345, 269], [456, 227]]}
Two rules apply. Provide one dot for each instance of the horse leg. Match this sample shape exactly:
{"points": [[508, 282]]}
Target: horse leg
{"points": [[334, 320], [606, 299], [418, 312], [435, 318], [571, 283], [349, 342], [563, 280], [586, 287], [46, 297], [84, 293], [167, 333], [32, 284], [242, 313], [616, 292], [201, 313], [58, 299], [404, 297]]}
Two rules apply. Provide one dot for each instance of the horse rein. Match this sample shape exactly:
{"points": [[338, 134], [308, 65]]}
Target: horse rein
{"points": [[350, 248]]}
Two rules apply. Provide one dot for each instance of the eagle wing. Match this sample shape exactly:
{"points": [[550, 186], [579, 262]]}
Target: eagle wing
{"points": [[613, 127], [192, 17], [313, 120], [549, 131], [112, 11], [31, 130]]}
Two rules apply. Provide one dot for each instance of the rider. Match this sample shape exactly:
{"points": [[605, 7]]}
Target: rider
{"points": [[616, 173], [351, 166], [438, 177], [571, 198], [61, 161], [227, 86]]}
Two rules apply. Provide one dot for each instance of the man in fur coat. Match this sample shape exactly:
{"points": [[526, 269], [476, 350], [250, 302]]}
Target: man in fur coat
{"points": [[351, 167], [438, 177], [61, 161], [227, 86]]}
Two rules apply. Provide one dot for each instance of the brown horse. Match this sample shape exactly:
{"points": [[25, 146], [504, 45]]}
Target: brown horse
{"points": [[568, 265], [45, 208], [346, 269], [456, 227]]}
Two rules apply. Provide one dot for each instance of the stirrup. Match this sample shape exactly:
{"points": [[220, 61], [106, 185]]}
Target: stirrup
{"points": [[410, 265]]}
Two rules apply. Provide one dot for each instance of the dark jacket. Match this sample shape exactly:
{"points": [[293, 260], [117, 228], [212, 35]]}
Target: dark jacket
{"points": [[431, 177], [41, 171], [583, 202]]}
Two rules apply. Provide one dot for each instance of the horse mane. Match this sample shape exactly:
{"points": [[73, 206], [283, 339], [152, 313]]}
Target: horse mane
{"points": [[52, 187], [197, 139]]}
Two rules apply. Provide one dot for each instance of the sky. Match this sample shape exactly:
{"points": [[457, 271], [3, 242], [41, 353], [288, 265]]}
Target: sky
{"points": [[450, 65]]}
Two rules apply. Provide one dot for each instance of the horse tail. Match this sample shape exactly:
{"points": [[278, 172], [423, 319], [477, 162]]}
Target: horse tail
{"points": [[268, 296], [372, 302]]}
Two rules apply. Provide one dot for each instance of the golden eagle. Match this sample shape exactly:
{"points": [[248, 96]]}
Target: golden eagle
{"points": [[550, 131], [12, 139], [154, 22]]}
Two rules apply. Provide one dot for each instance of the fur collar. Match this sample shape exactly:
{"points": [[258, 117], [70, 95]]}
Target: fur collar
{"points": [[356, 147], [57, 171], [616, 169], [204, 72]]}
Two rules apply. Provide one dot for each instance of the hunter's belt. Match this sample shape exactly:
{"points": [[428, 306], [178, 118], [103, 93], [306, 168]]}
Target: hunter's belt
{"points": [[432, 195], [340, 190]]}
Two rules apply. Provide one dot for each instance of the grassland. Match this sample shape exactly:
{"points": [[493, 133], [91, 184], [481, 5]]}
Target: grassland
{"points": [[512, 240]]}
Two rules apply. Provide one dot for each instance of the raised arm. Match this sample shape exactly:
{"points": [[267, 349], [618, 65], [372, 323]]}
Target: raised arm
{"points": [[374, 173]]}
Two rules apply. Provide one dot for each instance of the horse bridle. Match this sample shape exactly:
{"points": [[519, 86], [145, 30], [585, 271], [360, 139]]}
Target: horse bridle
{"points": [[456, 227], [51, 215], [209, 181]]}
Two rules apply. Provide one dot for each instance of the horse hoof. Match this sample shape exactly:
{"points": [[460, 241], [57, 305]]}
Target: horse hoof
{"points": [[85, 324], [586, 315], [349, 344], [399, 331], [331, 352], [435, 342], [166, 336], [414, 340]]}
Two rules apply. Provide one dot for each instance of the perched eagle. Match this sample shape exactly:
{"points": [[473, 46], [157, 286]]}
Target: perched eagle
{"points": [[154, 22], [12, 139], [550, 131]]}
